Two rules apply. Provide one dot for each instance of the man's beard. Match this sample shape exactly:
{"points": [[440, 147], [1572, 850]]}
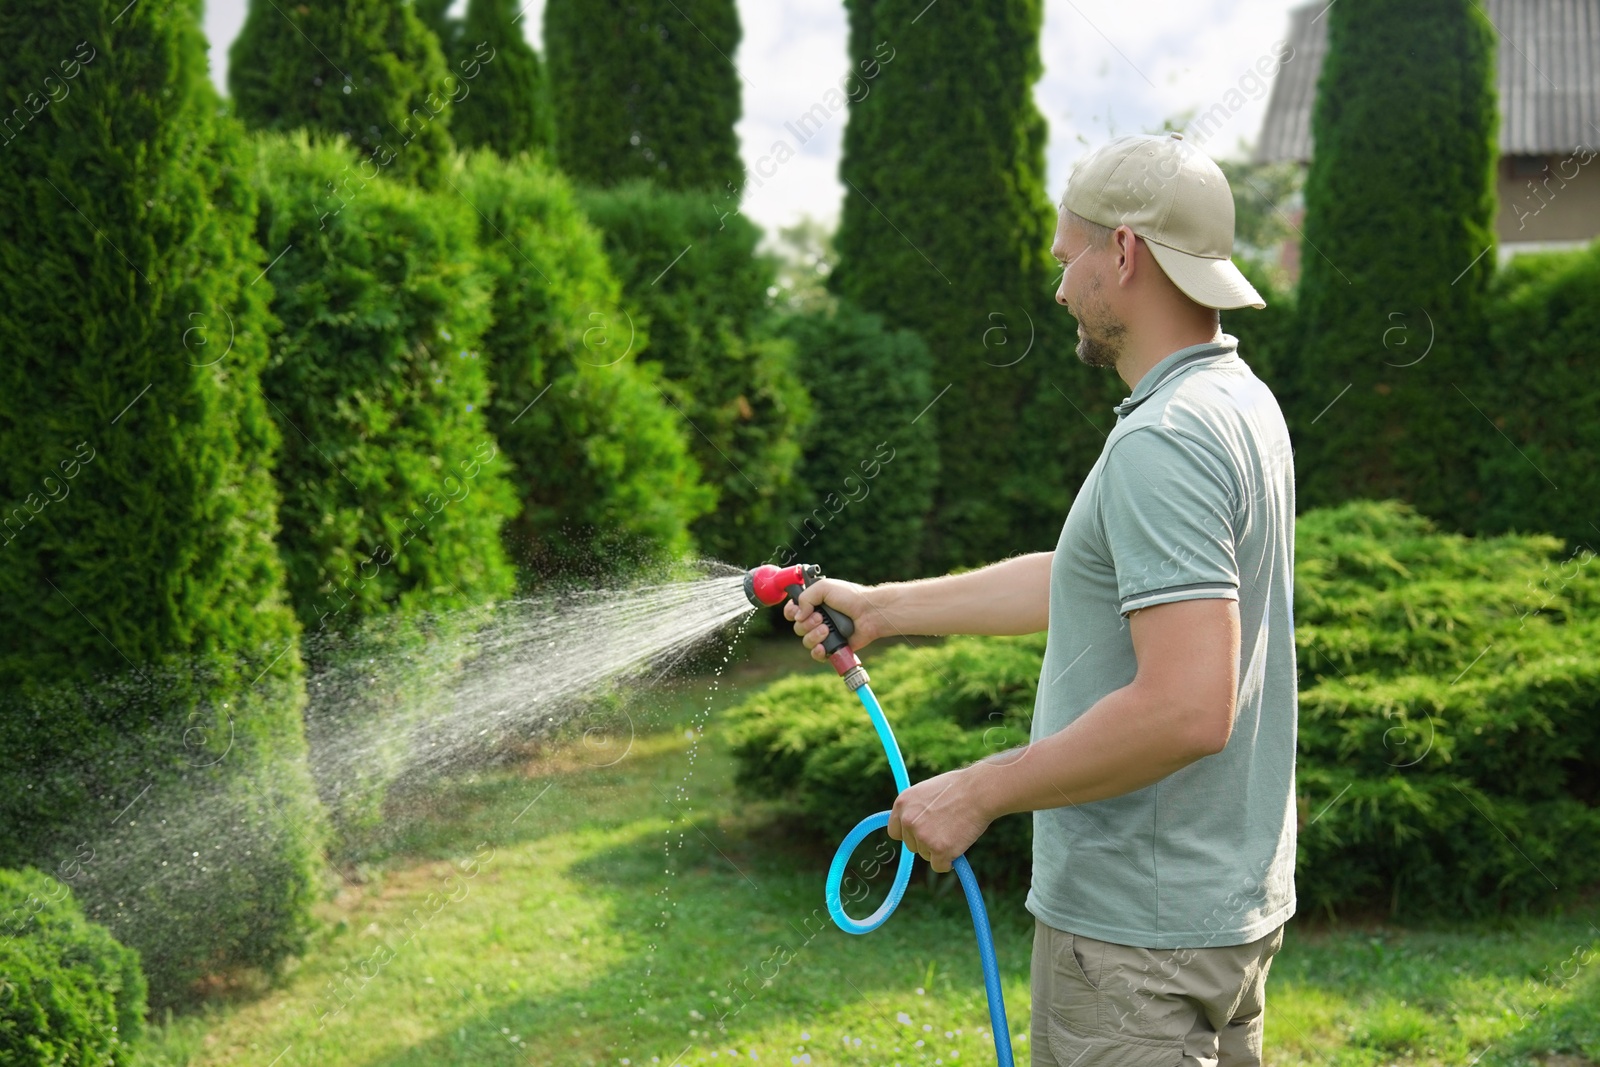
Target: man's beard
{"points": [[1100, 344]]}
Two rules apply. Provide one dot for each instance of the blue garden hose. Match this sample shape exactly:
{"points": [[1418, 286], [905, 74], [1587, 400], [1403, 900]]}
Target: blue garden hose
{"points": [[769, 585], [902, 875]]}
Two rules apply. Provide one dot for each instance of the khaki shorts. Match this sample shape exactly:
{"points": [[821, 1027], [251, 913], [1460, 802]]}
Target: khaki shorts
{"points": [[1097, 1004]]}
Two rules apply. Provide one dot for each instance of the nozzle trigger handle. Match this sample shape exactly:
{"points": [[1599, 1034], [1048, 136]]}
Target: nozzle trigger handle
{"points": [[840, 625]]}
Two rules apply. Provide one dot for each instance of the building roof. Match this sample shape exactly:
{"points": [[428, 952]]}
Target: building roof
{"points": [[1548, 55]]}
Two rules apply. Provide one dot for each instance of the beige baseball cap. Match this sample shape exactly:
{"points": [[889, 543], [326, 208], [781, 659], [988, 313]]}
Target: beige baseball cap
{"points": [[1171, 194]]}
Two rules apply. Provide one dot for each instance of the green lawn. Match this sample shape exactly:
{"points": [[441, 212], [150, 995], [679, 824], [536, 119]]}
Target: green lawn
{"points": [[575, 912]]}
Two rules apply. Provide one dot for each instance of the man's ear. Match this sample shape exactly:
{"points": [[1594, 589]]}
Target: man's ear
{"points": [[1126, 243]]}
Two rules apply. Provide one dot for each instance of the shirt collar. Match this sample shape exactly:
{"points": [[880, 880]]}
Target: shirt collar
{"points": [[1175, 364]]}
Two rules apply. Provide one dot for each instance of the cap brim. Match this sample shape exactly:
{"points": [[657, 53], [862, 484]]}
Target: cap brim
{"points": [[1212, 283]]}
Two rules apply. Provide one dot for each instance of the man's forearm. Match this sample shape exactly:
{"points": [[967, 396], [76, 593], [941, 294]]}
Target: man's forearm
{"points": [[1005, 598], [1123, 743]]}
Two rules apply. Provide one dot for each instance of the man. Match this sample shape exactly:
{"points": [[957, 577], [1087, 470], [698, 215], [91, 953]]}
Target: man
{"points": [[1160, 770]]}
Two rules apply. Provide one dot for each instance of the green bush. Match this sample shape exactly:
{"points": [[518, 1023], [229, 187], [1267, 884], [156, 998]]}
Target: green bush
{"points": [[1065, 413], [961, 254], [646, 89], [734, 384], [70, 994], [1388, 400], [178, 802], [1545, 328], [1449, 720], [1450, 682], [866, 482], [807, 742], [150, 662], [507, 108], [367, 69], [393, 488], [1266, 335], [605, 468]]}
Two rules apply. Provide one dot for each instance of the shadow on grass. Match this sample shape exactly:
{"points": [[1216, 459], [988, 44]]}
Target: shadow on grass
{"points": [[743, 903], [746, 904]]}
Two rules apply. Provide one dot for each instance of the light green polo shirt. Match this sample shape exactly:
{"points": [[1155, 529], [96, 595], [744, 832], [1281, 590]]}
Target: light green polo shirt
{"points": [[1192, 496]]}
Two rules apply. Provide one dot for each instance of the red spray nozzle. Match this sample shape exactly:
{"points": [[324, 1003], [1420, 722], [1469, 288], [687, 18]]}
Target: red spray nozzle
{"points": [[767, 586]]}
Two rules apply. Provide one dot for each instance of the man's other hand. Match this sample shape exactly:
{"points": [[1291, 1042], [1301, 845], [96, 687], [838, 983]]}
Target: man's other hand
{"points": [[939, 818]]}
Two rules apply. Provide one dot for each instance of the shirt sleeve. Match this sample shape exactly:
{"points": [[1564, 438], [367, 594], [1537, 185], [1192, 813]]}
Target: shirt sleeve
{"points": [[1167, 509]]}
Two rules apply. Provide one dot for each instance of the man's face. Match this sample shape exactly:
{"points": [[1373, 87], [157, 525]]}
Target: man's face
{"points": [[1101, 334]]}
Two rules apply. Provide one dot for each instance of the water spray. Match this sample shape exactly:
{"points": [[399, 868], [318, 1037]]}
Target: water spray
{"points": [[767, 586]]}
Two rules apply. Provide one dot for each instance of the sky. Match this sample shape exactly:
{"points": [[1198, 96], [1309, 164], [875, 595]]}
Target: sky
{"points": [[1110, 67]]}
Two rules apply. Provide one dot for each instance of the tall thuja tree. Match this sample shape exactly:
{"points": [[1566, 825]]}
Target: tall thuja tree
{"points": [[435, 14], [850, 362], [646, 88], [1399, 251], [960, 254], [368, 69], [732, 381], [507, 106], [392, 501], [150, 680], [604, 466], [393, 488]]}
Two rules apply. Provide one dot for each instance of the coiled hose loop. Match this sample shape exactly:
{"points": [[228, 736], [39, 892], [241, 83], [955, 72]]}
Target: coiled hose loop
{"points": [[902, 876]]}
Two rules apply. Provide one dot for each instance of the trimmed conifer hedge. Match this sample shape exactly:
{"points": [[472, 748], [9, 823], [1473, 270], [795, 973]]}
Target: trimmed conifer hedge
{"points": [[692, 281], [1449, 721], [1545, 331], [646, 89], [507, 107], [367, 69], [394, 491], [866, 481], [69, 992], [1267, 339], [1451, 684], [961, 254], [605, 470], [1387, 397], [150, 678]]}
